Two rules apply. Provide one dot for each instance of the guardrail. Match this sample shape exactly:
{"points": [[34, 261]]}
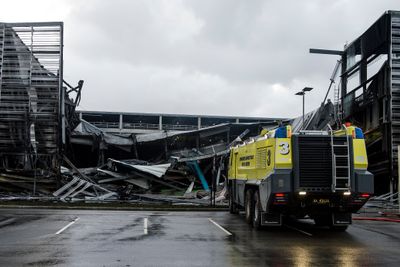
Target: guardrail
{"points": [[144, 126], [105, 125], [179, 127]]}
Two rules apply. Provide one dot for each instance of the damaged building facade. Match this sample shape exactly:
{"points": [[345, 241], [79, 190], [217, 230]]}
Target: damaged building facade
{"points": [[30, 93], [36, 113], [156, 137], [370, 93], [194, 159]]}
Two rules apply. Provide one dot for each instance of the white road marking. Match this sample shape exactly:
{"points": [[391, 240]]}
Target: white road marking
{"points": [[68, 225], [220, 227], [296, 229], [145, 226]]}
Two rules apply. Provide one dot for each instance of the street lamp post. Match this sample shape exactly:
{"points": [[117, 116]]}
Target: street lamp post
{"points": [[303, 93]]}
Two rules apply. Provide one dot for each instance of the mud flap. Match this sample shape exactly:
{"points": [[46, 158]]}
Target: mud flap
{"points": [[341, 219], [271, 219]]}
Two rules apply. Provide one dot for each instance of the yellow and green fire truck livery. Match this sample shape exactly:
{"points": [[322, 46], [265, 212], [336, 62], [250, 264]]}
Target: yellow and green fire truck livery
{"points": [[319, 174]]}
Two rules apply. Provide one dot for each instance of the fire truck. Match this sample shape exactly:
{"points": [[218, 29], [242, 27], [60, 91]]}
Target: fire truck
{"points": [[320, 175]]}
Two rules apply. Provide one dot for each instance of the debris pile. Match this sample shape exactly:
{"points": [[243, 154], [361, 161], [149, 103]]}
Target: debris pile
{"points": [[187, 167], [137, 181]]}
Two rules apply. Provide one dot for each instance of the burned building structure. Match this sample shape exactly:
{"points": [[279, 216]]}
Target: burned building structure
{"points": [[370, 95], [196, 153], [102, 137], [156, 137], [36, 112], [30, 93]]}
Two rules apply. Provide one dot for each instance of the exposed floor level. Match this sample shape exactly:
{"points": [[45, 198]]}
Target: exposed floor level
{"points": [[34, 237]]}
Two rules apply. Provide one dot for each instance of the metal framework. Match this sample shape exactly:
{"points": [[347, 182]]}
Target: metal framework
{"points": [[32, 126], [370, 94]]}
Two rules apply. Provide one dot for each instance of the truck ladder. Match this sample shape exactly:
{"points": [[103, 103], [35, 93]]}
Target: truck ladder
{"points": [[339, 165]]}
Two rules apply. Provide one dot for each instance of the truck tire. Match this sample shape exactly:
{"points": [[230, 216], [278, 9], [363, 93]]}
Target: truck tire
{"points": [[249, 206], [233, 208], [257, 211]]}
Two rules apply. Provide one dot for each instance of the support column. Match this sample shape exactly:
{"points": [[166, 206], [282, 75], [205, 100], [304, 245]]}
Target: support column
{"points": [[120, 123], [160, 122], [199, 123]]}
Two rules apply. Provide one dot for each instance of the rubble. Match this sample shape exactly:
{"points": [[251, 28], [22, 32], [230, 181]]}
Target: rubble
{"points": [[135, 180], [194, 175]]}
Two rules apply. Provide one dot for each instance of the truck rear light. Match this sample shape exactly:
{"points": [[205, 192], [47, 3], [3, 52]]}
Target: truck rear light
{"points": [[360, 199], [280, 199]]}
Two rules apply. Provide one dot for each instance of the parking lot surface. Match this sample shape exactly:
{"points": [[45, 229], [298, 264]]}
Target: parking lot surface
{"points": [[38, 237]]}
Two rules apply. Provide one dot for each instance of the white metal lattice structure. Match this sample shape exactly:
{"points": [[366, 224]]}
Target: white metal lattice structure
{"points": [[30, 93]]}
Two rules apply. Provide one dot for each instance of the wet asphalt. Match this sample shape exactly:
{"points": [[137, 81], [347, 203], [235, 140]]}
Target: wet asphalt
{"points": [[37, 237]]}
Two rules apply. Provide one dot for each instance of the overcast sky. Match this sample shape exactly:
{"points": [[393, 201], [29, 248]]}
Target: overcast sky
{"points": [[218, 57]]}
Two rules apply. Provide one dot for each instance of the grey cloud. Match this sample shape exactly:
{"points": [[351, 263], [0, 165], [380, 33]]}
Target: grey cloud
{"points": [[216, 55]]}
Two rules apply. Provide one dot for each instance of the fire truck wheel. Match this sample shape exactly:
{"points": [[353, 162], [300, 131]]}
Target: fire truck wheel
{"points": [[249, 206], [257, 211]]}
